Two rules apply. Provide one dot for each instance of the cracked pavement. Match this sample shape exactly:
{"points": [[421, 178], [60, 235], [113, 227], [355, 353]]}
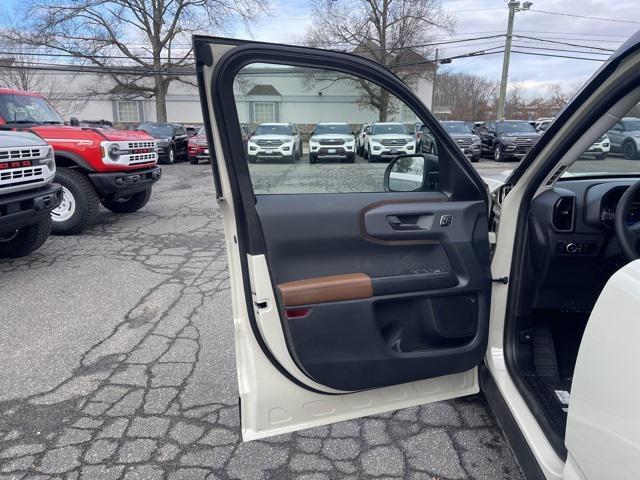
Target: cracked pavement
{"points": [[117, 363]]}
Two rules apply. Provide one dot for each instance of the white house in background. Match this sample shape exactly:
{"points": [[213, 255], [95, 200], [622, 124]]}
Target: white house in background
{"points": [[270, 94]]}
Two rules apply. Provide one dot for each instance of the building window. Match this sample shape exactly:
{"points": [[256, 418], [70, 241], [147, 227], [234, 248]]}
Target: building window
{"points": [[264, 112], [406, 114], [128, 111]]}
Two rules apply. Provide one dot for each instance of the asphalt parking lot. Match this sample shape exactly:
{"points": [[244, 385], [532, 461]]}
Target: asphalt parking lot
{"points": [[117, 362]]}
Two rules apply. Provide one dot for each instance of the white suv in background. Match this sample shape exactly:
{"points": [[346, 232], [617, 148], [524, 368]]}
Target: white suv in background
{"points": [[387, 140], [275, 141], [332, 141]]}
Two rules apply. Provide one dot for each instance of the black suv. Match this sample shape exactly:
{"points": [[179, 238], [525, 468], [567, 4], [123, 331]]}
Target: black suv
{"points": [[507, 139], [172, 140]]}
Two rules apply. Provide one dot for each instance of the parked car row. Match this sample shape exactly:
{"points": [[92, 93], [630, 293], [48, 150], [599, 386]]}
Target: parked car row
{"points": [[54, 175]]}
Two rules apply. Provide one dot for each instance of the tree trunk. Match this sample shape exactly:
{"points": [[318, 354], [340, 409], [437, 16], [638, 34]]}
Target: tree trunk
{"points": [[383, 112], [161, 99]]}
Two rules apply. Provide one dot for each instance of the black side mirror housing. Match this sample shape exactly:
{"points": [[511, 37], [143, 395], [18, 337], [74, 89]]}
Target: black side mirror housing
{"points": [[74, 121]]}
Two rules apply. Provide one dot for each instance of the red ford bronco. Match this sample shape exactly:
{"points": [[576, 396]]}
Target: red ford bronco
{"points": [[94, 165]]}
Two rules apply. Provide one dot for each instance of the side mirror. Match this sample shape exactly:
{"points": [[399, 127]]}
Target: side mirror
{"points": [[74, 121], [405, 173], [353, 132]]}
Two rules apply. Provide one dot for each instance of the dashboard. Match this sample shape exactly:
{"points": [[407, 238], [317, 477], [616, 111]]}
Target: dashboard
{"points": [[610, 204], [574, 249]]}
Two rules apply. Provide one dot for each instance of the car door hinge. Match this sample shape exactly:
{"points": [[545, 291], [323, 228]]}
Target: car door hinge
{"points": [[503, 280]]}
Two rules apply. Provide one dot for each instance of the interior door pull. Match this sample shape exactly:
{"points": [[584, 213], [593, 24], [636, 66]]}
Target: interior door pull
{"points": [[405, 222]]}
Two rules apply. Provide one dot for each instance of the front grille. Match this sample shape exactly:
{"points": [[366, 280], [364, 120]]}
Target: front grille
{"points": [[331, 141], [21, 153], [141, 144], [524, 141], [394, 142], [464, 142], [338, 151], [19, 176], [269, 143], [137, 158]]}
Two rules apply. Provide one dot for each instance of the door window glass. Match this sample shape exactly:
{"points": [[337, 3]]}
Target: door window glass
{"points": [[305, 142], [616, 152]]}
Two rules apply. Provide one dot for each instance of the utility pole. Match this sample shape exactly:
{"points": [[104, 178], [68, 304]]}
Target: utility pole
{"points": [[435, 82], [514, 7]]}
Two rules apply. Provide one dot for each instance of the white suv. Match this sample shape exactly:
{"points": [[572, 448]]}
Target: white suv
{"points": [[275, 141], [387, 140], [332, 141]]}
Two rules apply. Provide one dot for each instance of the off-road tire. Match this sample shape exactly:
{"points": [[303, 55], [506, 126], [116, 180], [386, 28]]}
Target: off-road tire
{"points": [[130, 205], [27, 239], [86, 199], [313, 158], [193, 160]]}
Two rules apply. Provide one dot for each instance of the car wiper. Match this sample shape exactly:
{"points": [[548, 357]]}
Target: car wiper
{"points": [[53, 122], [26, 121]]}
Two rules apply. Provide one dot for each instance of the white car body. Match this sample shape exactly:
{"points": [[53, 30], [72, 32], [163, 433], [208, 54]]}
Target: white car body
{"points": [[603, 419], [332, 146], [274, 146], [388, 145]]}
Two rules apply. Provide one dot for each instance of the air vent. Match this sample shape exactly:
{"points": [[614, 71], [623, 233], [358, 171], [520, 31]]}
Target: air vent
{"points": [[563, 214]]}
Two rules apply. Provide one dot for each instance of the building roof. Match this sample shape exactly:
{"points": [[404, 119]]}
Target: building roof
{"points": [[264, 90]]}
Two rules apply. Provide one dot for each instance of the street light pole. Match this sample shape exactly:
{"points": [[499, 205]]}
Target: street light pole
{"points": [[514, 7]]}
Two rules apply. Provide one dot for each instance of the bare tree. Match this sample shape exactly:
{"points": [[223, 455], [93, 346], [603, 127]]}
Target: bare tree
{"points": [[394, 33], [17, 71], [469, 97], [152, 37]]}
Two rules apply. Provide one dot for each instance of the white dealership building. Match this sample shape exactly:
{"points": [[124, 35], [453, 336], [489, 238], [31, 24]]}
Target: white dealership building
{"points": [[270, 94]]}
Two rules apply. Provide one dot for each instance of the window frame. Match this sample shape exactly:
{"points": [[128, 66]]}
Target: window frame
{"points": [[138, 112], [272, 104]]}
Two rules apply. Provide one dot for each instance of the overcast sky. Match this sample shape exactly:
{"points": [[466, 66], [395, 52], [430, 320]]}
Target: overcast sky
{"points": [[488, 17]]}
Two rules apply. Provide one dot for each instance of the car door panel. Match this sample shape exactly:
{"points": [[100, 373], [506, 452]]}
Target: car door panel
{"points": [[354, 303], [406, 328]]}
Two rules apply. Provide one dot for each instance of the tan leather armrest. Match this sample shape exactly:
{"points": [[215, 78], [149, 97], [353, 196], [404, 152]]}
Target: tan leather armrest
{"points": [[333, 288]]}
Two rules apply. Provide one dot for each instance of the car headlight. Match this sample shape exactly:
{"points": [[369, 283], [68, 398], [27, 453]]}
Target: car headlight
{"points": [[114, 152], [475, 144], [49, 159], [350, 141]]}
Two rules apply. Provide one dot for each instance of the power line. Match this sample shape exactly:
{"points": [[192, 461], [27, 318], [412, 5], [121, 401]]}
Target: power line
{"points": [[551, 49], [558, 56], [604, 19], [564, 43]]}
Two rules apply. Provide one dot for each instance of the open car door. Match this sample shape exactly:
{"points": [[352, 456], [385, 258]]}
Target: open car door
{"points": [[358, 287]]}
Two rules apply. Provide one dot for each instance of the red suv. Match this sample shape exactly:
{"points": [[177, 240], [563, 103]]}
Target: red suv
{"points": [[115, 168]]}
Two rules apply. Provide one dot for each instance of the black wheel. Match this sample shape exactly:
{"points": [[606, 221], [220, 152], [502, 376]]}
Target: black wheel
{"points": [[601, 156], [290, 159], [497, 153], [130, 204], [372, 159], [351, 158], [25, 240], [252, 158], [475, 159], [80, 202], [313, 158], [193, 160], [630, 150]]}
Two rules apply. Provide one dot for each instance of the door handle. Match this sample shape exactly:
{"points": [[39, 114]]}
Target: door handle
{"points": [[405, 222]]}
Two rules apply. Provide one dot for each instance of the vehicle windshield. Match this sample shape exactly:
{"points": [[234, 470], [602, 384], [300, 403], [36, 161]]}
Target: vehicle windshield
{"points": [[201, 131], [273, 130], [632, 125], [157, 129], [332, 128], [456, 127], [27, 109], [388, 128], [514, 127]]}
